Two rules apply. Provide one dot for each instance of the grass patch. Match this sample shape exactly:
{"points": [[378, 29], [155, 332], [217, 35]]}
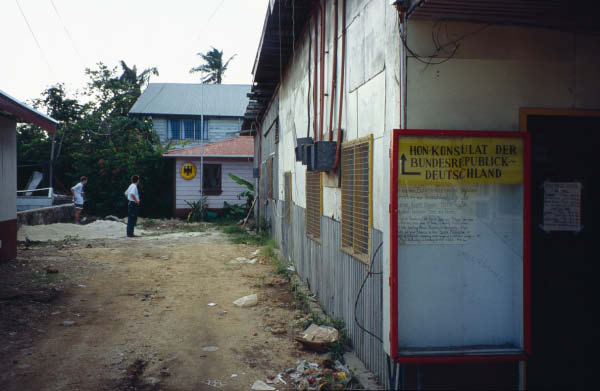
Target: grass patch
{"points": [[232, 230], [240, 236]]}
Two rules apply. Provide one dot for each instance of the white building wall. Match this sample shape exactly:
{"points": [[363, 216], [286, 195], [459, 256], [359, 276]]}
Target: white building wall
{"points": [[189, 190], [370, 23], [371, 106], [8, 169], [495, 72]]}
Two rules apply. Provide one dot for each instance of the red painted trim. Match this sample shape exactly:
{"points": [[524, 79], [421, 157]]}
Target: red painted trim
{"points": [[394, 246], [397, 133], [26, 114], [8, 235], [460, 359]]}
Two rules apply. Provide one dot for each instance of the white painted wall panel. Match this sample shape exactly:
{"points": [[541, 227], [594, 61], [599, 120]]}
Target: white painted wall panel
{"points": [[374, 30], [299, 186], [438, 98], [380, 185], [189, 190], [355, 47], [332, 203], [351, 116], [371, 107], [8, 169], [497, 71]]}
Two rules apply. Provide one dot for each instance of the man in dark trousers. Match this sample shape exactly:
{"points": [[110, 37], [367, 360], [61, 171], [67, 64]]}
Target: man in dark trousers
{"points": [[133, 196]]}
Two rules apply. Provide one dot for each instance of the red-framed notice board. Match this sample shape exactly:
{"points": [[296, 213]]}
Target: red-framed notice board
{"points": [[459, 262]]}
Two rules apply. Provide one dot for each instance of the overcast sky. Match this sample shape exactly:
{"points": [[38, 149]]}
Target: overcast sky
{"points": [[166, 34]]}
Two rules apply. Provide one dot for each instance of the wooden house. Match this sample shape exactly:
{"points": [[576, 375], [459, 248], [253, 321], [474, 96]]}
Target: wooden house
{"points": [[193, 113], [203, 170]]}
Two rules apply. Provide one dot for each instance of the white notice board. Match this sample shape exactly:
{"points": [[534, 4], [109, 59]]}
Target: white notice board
{"points": [[460, 243]]}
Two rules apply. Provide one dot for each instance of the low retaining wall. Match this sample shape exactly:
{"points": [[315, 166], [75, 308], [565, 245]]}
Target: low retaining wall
{"points": [[50, 215]]}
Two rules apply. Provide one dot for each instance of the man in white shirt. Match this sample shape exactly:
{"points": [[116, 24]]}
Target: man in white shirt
{"points": [[77, 192], [133, 196]]}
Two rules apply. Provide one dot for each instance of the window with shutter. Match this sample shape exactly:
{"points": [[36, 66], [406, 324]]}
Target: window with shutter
{"points": [[314, 201], [357, 182]]}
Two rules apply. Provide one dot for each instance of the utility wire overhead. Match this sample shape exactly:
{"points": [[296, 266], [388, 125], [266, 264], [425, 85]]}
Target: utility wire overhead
{"points": [[209, 19], [67, 32], [34, 38]]}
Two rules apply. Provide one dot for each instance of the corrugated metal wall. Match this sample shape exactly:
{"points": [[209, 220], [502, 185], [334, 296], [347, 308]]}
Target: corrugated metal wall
{"points": [[335, 278]]}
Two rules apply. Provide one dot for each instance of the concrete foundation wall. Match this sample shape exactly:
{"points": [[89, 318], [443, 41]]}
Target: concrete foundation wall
{"points": [[50, 215]]}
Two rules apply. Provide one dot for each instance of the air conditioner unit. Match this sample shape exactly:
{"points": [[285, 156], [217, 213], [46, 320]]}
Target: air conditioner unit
{"points": [[322, 156], [299, 148]]}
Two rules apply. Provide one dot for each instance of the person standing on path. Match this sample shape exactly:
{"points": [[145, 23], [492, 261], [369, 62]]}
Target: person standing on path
{"points": [[133, 196], [77, 192]]}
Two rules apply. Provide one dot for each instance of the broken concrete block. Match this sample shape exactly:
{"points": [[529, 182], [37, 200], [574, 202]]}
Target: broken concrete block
{"points": [[247, 301]]}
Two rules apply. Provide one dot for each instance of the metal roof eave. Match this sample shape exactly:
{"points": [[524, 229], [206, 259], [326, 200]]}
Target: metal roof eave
{"points": [[553, 14], [25, 113]]}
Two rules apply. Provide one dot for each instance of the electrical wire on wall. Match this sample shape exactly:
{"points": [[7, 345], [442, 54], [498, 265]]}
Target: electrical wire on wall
{"points": [[444, 51], [369, 274]]}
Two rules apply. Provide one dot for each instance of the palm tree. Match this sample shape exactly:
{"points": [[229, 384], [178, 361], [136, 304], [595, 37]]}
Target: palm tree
{"points": [[131, 76], [213, 68]]}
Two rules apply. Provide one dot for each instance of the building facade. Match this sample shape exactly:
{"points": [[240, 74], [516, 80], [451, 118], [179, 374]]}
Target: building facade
{"points": [[355, 77], [193, 113], [205, 171]]}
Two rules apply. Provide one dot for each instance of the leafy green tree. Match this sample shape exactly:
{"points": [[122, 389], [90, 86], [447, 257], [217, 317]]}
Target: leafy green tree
{"points": [[100, 141], [213, 69]]}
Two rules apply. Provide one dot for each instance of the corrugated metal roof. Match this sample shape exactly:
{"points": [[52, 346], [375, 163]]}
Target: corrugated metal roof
{"points": [[192, 99], [23, 112], [241, 146]]}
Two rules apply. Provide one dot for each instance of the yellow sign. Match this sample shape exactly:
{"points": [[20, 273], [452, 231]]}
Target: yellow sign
{"points": [[188, 171], [459, 160]]}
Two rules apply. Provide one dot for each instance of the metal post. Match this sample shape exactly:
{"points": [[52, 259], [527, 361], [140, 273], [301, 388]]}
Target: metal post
{"points": [[52, 159], [202, 144], [522, 378], [420, 377]]}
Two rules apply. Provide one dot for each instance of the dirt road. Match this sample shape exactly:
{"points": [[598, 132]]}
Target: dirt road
{"points": [[134, 314]]}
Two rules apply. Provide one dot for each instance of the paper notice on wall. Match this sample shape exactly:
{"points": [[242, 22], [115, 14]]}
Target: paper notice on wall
{"points": [[436, 214], [562, 206]]}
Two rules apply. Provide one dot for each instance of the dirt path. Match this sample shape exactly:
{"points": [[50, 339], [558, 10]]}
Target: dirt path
{"points": [[133, 314]]}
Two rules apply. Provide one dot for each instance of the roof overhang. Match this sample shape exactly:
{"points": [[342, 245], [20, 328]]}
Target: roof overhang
{"points": [[283, 27], [575, 15], [23, 113]]}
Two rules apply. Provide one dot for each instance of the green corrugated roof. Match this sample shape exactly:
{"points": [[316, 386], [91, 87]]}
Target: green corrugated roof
{"points": [[192, 99]]}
